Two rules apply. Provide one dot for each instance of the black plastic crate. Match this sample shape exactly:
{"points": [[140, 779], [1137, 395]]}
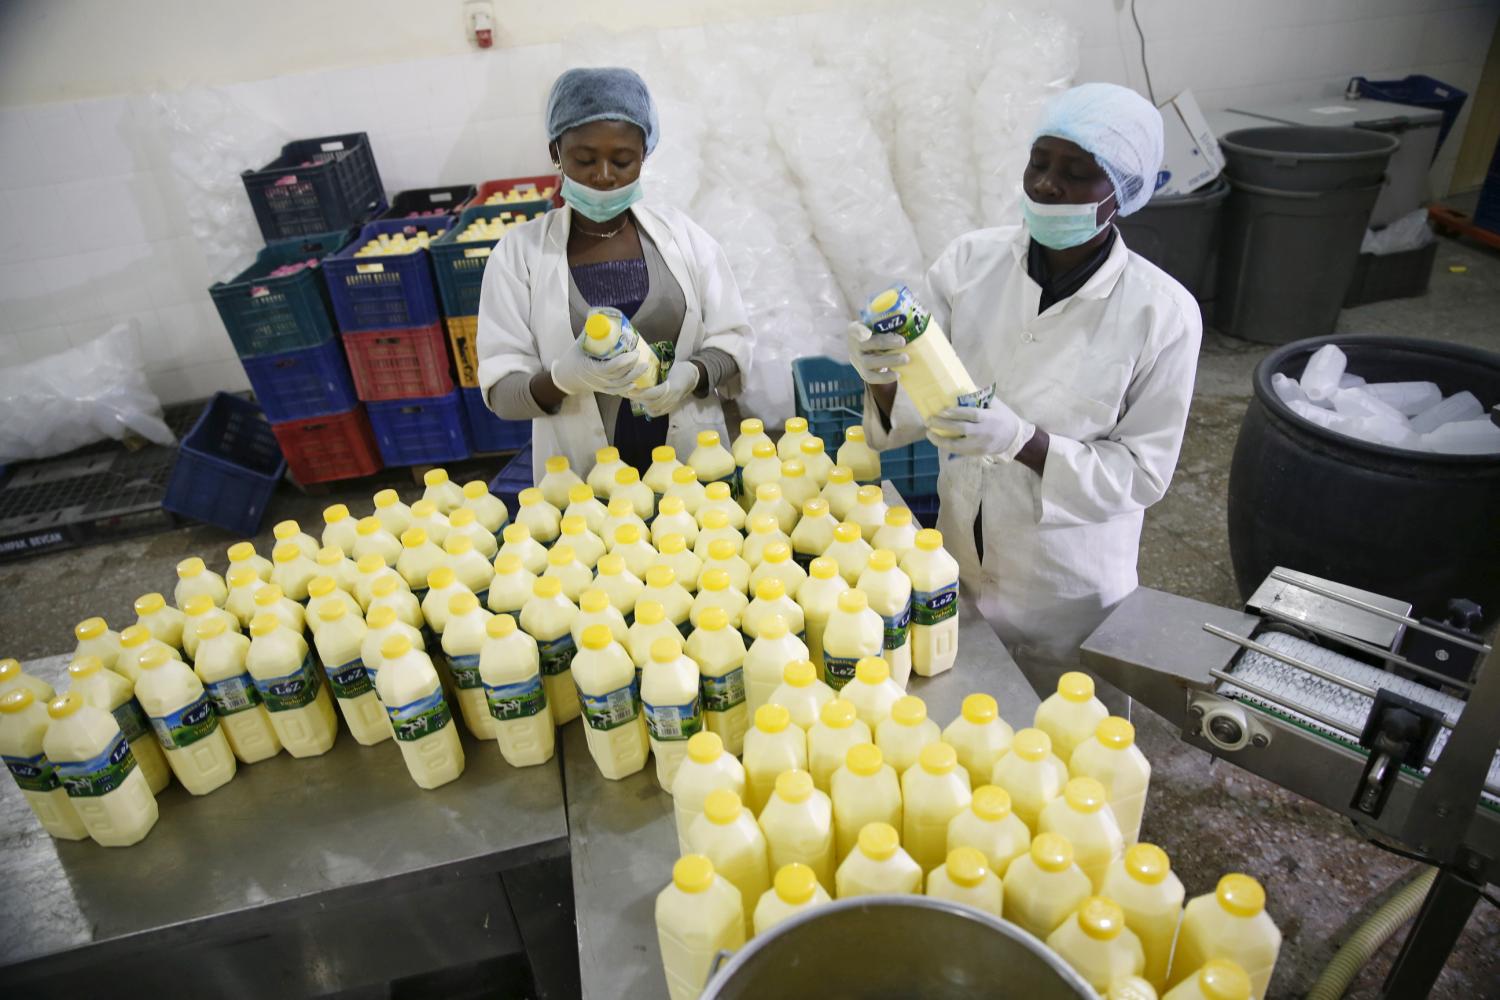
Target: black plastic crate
{"points": [[417, 203], [1391, 276], [316, 186]]}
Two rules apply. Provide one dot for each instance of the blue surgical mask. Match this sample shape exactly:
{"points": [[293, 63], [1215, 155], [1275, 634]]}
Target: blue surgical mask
{"points": [[1062, 226], [600, 206]]}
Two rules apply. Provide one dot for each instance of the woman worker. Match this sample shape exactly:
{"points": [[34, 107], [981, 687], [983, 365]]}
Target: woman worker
{"points": [[605, 248], [1091, 351]]}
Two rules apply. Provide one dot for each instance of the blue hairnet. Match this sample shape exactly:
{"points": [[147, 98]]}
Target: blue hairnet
{"points": [[609, 93], [1116, 126]]}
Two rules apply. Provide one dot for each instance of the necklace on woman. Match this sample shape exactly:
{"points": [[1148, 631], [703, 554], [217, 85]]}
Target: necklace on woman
{"points": [[604, 236]]}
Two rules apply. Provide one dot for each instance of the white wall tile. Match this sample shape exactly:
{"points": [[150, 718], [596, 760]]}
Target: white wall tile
{"points": [[60, 144], [36, 217], [24, 298], [178, 273], [29, 345]]}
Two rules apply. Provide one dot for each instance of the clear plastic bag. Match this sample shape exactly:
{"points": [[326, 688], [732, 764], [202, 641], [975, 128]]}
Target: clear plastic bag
{"points": [[64, 401]]}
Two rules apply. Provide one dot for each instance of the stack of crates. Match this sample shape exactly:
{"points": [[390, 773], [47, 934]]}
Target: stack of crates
{"points": [[278, 316], [458, 260]]}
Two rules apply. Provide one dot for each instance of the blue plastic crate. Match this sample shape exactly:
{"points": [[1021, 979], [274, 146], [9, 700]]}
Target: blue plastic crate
{"points": [[1419, 91], [515, 477], [382, 292], [421, 431], [316, 186], [227, 467], [488, 432], [311, 382], [830, 395], [265, 315]]}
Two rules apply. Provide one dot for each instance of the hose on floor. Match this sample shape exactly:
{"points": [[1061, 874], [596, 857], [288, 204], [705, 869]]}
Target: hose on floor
{"points": [[1368, 938]]}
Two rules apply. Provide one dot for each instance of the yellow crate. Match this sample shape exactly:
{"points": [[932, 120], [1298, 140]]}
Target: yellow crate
{"points": [[462, 333]]}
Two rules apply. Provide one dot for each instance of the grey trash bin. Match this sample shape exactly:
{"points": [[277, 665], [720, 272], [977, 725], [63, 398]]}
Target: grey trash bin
{"points": [[1299, 203], [1180, 235]]}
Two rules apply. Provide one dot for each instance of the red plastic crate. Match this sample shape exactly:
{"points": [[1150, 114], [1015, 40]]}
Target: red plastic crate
{"points": [[504, 185], [324, 449], [399, 364]]}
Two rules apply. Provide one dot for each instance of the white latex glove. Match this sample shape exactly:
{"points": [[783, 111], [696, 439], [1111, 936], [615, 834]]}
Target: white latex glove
{"points": [[577, 372], [995, 430], [875, 357], [664, 397]]}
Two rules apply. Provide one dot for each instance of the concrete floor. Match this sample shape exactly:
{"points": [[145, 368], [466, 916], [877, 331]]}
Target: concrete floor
{"points": [[1322, 879]]}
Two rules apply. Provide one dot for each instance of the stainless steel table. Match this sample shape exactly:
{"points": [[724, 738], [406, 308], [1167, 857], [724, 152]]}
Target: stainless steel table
{"points": [[333, 873], [624, 839]]}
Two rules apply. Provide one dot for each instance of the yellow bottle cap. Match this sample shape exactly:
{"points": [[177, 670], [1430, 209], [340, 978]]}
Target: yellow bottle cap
{"points": [[499, 626], [271, 594], [561, 555], [457, 545], [627, 534], [823, 568], [1221, 979], [462, 518], [1241, 895], [287, 552], [929, 540], [794, 786], [627, 476], [1052, 852], [189, 568], [1115, 733], [991, 803], [367, 526], [796, 425], [750, 426], [671, 506], [795, 883], [597, 637], [199, 604], [836, 714], [883, 560], [440, 577], [511, 563], [135, 635], [707, 439], [286, 530], [774, 627], [574, 524], [650, 613], [598, 326], [767, 493], [240, 551], [328, 555], [659, 577], [938, 758], [811, 446], [60, 707], [776, 553], [335, 513], [764, 450], [330, 611], [852, 602], [460, 603], [435, 477], [1131, 988], [713, 619], [546, 587], [878, 841], [966, 866], [772, 718], [424, 509], [793, 468], [557, 463], [672, 545], [86, 666], [368, 563], [721, 550], [841, 474], [763, 525], [529, 497], [593, 600], [715, 580], [909, 711], [1075, 686], [411, 538], [872, 670], [884, 301], [722, 807], [684, 474], [715, 519], [580, 493], [666, 649], [264, 624], [1031, 745], [156, 656], [703, 747], [383, 587], [980, 709], [898, 517], [854, 432], [386, 498], [1085, 795], [847, 532], [864, 759], [149, 604], [869, 495], [692, 873], [381, 617], [394, 646], [663, 453], [770, 589], [816, 507], [1101, 918], [243, 576], [474, 489], [19, 700], [1147, 863], [800, 673], [318, 586], [514, 534]]}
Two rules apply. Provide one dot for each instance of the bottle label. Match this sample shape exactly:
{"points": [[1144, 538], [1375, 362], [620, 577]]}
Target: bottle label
{"points": [[233, 694], [131, 719], [933, 607], [556, 655], [420, 718], [349, 680], [100, 775], [466, 670], [896, 626], [839, 670], [33, 774], [673, 723], [516, 701], [186, 726], [905, 317], [720, 694], [979, 399], [290, 691], [610, 710]]}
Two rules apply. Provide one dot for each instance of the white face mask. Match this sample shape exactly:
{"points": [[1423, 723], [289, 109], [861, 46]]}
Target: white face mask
{"points": [[1060, 227]]}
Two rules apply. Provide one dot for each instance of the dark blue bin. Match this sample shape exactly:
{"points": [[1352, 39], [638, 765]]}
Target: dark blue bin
{"points": [[488, 432], [294, 385], [386, 291], [421, 431], [1419, 91], [227, 467], [515, 477]]}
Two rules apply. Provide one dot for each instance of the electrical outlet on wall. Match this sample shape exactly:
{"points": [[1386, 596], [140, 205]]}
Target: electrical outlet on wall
{"points": [[479, 22]]}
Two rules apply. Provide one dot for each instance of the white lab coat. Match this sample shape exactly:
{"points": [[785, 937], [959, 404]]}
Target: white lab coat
{"points": [[524, 325], [1108, 373]]}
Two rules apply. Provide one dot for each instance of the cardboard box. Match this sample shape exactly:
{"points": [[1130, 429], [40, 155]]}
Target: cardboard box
{"points": [[1192, 153]]}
